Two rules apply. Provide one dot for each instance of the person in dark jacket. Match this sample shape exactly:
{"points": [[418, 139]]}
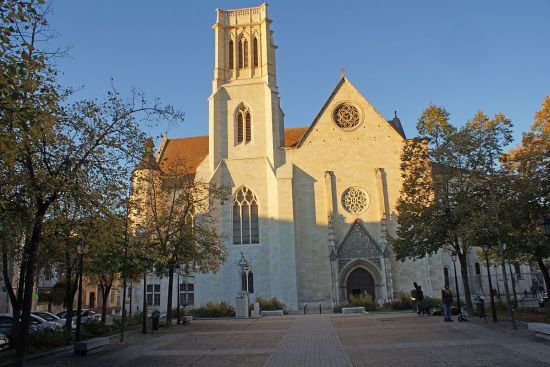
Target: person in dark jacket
{"points": [[419, 297], [447, 303]]}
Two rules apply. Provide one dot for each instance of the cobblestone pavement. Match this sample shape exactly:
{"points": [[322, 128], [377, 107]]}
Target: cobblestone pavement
{"points": [[319, 340]]}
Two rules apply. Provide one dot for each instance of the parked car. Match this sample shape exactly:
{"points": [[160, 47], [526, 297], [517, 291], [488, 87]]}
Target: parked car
{"points": [[50, 317], [4, 341], [36, 324], [86, 316]]}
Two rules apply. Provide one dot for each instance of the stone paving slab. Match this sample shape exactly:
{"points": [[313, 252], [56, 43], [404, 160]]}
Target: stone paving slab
{"points": [[386, 340]]}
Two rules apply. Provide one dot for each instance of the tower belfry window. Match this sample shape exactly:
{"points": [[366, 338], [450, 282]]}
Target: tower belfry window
{"points": [[245, 51], [255, 52], [241, 60], [231, 54]]}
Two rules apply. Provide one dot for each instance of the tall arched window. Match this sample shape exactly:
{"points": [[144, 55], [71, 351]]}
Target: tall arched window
{"points": [[231, 54], [248, 126], [244, 124], [245, 48], [478, 269], [446, 275], [255, 52], [245, 217], [241, 60], [239, 127]]}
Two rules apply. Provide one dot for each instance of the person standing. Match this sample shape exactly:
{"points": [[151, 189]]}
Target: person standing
{"points": [[447, 302], [419, 297]]}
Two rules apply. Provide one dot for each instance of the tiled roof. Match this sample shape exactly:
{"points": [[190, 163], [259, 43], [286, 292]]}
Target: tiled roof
{"points": [[193, 150], [293, 135]]}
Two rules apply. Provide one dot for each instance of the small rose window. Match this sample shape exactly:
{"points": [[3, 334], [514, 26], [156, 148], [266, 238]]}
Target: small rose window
{"points": [[347, 116], [355, 200]]}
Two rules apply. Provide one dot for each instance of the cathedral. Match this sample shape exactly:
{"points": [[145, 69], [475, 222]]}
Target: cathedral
{"points": [[310, 207]]}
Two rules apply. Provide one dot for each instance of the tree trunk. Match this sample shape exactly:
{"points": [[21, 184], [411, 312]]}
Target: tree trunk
{"points": [[465, 280], [30, 270], [105, 290], [170, 292], [144, 316], [7, 283], [544, 271]]}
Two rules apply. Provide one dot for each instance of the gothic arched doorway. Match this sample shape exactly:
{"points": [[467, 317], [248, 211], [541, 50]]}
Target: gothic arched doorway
{"points": [[360, 283]]}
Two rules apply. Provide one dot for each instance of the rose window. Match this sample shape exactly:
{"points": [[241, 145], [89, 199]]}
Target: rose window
{"points": [[355, 200], [346, 116]]}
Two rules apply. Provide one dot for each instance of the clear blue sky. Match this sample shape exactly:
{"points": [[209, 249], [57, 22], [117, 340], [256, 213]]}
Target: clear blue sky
{"points": [[492, 56]]}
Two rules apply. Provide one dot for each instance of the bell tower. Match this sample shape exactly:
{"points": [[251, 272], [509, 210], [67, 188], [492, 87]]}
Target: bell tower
{"points": [[245, 118]]}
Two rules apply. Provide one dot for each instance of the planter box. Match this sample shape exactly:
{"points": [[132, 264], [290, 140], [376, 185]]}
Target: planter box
{"points": [[353, 310], [541, 329]]}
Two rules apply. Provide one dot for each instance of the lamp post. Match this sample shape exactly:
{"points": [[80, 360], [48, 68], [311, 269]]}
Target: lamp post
{"points": [[453, 257], [81, 250], [178, 272], [485, 247]]}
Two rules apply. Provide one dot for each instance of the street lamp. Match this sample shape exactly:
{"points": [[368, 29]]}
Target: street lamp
{"points": [[453, 257], [81, 249], [178, 272], [485, 247]]}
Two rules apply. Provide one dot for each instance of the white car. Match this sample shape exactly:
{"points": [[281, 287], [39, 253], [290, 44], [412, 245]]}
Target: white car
{"points": [[50, 317]]}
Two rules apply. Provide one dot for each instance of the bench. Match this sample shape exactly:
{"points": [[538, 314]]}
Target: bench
{"points": [[186, 319], [541, 330], [83, 347], [272, 313], [353, 310]]}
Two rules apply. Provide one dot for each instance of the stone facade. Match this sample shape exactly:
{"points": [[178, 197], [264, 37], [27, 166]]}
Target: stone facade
{"points": [[325, 200]]}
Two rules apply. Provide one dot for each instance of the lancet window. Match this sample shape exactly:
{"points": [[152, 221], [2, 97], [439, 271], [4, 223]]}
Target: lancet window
{"points": [[255, 52], [231, 61], [245, 217], [244, 124]]}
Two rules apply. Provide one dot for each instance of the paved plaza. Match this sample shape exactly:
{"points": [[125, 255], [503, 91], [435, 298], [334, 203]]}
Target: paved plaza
{"points": [[320, 340]]}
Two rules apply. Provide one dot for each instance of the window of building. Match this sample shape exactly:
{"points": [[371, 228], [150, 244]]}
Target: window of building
{"points": [[244, 124], [446, 275], [239, 127], [517, 269], [248, 126], [250, 280], [478, 269], [231, 54], [245, 217], [187, 290], [241, 60], [255, 52], [245, 51], [153, 295], [113, 296]]}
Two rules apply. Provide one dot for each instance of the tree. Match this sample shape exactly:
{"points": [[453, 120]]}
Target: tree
{"points": [[175, 211], [46, 144], [446, 173], [529, 165]]}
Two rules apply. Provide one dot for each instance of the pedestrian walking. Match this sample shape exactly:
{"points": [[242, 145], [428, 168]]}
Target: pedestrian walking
{"points": [[447, 303]]}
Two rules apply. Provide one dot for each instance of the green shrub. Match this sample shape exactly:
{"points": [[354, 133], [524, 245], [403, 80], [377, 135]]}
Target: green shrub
{"points": [[363, 301], [431, 303], [270, 304], [338, 308], [95, 329], [212, 309], [405, 301], [48, 338]]}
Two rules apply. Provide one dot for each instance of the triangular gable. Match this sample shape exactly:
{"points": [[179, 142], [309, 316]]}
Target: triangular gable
{"points": [[329, 100], [358, 243]]}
